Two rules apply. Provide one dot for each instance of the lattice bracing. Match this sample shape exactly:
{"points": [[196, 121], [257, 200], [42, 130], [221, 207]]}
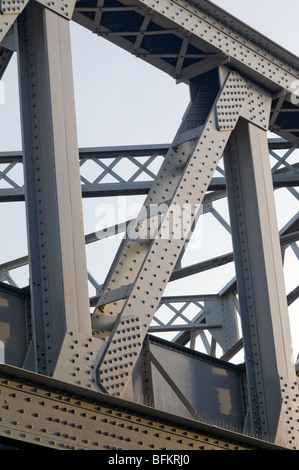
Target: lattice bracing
{"points": [[284, 164]]}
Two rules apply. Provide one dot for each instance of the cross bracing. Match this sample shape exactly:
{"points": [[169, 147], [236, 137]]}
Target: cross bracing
{"points": [[240, 87], [132, 170], [106, 160]]}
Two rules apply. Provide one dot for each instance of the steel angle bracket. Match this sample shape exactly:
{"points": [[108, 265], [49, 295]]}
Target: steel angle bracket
{"points": [[250, 102], [237, 98], [61, 7], [10, 10], [78, 359]]}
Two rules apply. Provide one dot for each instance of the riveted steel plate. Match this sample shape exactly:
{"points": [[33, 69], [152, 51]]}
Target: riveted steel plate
{"points": [[42, 412], [11, 7], [78, 359], [121, 355], [244, 53], [204, 155], [9, 14], [62, 7], [231, 102], [289, 416]]}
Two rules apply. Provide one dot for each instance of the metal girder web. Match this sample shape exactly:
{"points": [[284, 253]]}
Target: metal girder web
{"points": [[131, 296]]}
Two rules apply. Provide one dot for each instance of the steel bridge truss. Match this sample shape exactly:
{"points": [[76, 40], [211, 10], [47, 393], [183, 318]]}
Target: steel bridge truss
{"points": [[94, 351]]}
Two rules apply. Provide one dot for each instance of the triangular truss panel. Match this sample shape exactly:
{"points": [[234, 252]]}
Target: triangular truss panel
{"points": [[132, 356]]}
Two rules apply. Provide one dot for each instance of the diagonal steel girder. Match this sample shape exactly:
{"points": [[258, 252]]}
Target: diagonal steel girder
{"points": [[9, 11], [145, 261]]}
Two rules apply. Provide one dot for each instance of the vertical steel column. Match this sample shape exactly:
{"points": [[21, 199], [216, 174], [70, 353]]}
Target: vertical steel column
{"points": [[261, 290], [58, 273]]}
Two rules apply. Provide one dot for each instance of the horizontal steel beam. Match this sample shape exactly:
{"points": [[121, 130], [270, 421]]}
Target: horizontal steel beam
{"points": [[281, 178], [129, 150], [140, 188], [38, 412]]}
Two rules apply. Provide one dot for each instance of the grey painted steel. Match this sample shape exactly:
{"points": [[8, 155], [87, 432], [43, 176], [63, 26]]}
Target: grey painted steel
{"points": [[261, 291], [53, 200], [214, 313], [204, 28], [217, 394], [140, 182], [231, 104], [206, 128], [8, 18], [161, 371], [186, 39], [89, 190], [38, 412]]}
